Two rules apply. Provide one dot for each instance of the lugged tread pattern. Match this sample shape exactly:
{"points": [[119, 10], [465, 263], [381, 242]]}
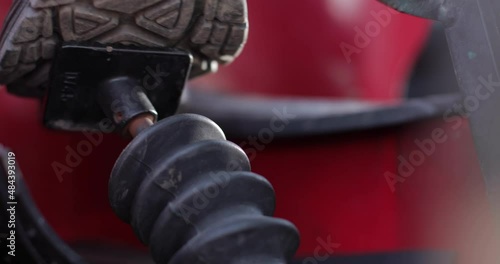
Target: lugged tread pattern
{"points": [[212, 30], [222, 29], [30, 40]]}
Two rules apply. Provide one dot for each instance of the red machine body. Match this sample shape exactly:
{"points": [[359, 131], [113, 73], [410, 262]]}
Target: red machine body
{"points": [[332, 187]]}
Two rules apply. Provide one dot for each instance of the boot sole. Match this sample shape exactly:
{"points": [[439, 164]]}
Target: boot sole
{"points": [[213, 31]]}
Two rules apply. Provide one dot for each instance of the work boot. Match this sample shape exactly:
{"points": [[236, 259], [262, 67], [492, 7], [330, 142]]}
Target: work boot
{"points": [[213, 31]]}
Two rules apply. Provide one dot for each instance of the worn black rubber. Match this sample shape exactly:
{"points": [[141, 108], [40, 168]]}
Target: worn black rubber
{"points": [[189, 194]]}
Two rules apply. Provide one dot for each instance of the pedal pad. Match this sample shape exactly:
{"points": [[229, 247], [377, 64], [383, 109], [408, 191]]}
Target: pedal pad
{"points": [[71, 102]]}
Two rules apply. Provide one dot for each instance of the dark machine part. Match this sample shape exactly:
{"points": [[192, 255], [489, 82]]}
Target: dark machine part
{"points": [[138, 80], [307, 118], [35, 241], [472, 29], [189, 194], [121, 109]]}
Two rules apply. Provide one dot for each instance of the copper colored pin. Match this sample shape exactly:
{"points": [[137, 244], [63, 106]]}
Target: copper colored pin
{"points": [[139, 123]]}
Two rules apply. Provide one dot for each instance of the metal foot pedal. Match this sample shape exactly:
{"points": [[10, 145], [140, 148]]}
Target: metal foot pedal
{"points": [[83, 76]]}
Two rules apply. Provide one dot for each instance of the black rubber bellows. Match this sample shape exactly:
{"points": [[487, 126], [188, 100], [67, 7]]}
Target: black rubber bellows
{"points": [[189, 195]]}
